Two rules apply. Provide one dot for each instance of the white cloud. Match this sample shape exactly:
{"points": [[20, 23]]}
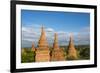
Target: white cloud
{"points": [[50, 30], [31, 33], [85, 29], [61, 32]]}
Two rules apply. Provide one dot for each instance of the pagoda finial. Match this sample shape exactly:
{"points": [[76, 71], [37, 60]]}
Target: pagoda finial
{"points": [[71, 43], [33, 48], [55, 45], [42, 26], [56, 38], [42, 30], [71, 36]]}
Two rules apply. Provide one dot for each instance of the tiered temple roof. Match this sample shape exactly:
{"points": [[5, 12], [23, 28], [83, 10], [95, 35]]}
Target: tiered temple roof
{"points": [[42, 41]]}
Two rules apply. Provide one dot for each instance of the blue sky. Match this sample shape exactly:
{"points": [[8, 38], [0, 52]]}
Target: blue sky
{"points": [[62, 23]]}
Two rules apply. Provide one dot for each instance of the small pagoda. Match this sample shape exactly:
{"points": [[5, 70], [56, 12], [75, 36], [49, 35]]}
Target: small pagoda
{"points": [[42, 51], [33, 47], [57, 54], [72, 52]]}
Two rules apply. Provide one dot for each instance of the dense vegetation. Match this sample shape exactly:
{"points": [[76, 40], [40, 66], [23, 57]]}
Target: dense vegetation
{"points": [[27, 55], [83, 52]]}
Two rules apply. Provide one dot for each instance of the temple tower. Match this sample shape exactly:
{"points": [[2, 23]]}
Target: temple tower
{"points": [[42, 51], [42, 41], [72, 52], [55, 44], [57, 53]]}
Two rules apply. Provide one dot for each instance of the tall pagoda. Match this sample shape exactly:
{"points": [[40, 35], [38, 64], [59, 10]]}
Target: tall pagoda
{"points": [[72, 52], [57, 53], [42, 50]]}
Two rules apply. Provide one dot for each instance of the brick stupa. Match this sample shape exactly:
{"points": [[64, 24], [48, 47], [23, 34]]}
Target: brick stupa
{"points": [[42, 50], [72, 52], [57, 53]]}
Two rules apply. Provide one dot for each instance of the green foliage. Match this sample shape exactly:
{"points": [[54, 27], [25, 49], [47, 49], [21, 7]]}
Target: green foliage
{"points": [[83, 53], [28, 56]]}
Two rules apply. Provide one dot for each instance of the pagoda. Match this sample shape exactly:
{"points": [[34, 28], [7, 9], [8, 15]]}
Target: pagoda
{"points": [[57, 53], [72, 52], [42, 41], [42, 50]]}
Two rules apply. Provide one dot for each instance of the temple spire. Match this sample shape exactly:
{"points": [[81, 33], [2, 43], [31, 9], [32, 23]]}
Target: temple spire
{"points": [[57, 53], [33, 48], [72, 52], [71, 43], [55, 45], [42, 29], [42, 41], [42, 51]]}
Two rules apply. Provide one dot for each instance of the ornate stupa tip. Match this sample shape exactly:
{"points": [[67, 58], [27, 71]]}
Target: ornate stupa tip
{"points": [[33, 47], [42, 28], [71, 41], [72, 52], [56, 38], [71, 37], [55, 45]]}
